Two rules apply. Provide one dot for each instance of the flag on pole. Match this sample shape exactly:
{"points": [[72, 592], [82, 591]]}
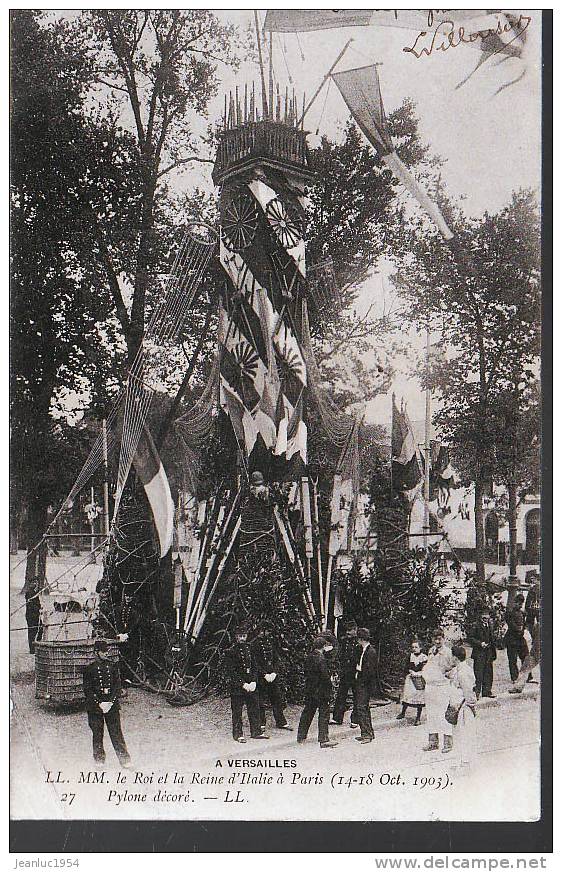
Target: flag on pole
{"points": [[361, 90], [406, 469], [495, 32], [442, 476], [344, 494], [151, 472], [302, 20]]}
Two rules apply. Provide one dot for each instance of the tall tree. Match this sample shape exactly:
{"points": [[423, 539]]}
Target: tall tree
{"points": [[59, 331], [491, 325], [159, 66], [355, 213]]}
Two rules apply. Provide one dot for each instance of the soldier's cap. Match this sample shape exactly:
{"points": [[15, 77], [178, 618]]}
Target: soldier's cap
{"points": [[350, 625], [257, 477], [241, 630], [101, 645], [364, 634]]}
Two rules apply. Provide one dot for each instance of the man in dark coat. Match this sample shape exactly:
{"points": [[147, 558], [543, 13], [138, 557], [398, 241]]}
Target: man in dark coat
{"points": [[533, 621], [32, 613], [102, 687], [483, 655], [317, 693], [129, 625], [244, 687], [349, 652], [366, 679], [269, 685], [257, 525], [514, 638]]}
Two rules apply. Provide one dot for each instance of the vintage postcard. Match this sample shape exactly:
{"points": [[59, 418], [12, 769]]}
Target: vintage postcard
{"points": [[276, 415]]}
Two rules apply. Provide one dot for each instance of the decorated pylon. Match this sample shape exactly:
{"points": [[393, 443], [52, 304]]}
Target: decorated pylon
{"points": [[262, 168]]}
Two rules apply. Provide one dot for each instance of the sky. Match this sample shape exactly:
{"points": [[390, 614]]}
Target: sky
{"points": [[490, 142]]}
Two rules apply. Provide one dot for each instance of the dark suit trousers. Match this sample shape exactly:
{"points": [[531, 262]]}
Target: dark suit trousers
{"points": [[32, 614], [347, 682], [516, 649], [484, 674], [272, 692], [364, 712], [130, 657], [113, 720], [251, 701], [311, 705]]}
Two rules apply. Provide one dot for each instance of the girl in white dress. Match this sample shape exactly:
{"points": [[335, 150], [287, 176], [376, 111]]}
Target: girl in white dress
{"points": [[436, 671], [463, 694], [414, 693]]}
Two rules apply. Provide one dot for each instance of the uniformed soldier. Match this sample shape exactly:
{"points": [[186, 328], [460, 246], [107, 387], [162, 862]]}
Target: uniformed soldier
{"points": [[257, 526], [102, 687], [244, 687], [317, 693], [129, 626], [269, 687]]}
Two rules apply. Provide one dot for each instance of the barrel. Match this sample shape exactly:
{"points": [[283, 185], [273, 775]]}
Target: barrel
{"points": [[59, 667]]}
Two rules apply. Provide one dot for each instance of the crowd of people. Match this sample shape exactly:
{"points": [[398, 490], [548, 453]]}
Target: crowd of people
{"points": [[443, 681]]}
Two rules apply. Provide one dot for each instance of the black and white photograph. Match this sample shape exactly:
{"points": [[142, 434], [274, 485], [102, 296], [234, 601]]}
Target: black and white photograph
{"points": [[276, 415]]}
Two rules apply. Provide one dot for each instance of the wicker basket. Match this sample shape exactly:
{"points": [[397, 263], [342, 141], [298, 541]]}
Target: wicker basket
{"points": [[59, 667]]}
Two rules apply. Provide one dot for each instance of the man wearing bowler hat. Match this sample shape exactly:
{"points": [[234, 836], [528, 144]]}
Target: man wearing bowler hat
{"points": [[349, 651], [366, 678], [102, 687], [317, 693], [483, 654]]}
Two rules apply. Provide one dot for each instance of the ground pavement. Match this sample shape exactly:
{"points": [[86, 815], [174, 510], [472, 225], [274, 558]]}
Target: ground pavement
{"points": [[187, 766]]}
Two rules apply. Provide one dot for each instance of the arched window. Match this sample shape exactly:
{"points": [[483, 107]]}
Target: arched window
{"points": [[491, 529], [533, 536]]}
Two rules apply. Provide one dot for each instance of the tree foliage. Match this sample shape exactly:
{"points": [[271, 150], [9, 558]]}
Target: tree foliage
{"points": [[58, 303], [490, 323]]}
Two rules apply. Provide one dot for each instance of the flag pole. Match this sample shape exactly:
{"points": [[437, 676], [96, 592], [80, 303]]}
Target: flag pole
{"points": [[105, 478], [323, 82], [393, 400], [426, 527], [323, 604], [262, 72], [93, 525], [271, 112]]}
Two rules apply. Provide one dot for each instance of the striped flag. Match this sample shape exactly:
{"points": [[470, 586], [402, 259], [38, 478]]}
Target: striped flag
{"points": [[151, 473], [345, 492], [263, 371], [406, 469]]}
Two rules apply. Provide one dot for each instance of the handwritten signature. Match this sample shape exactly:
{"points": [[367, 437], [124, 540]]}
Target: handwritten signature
{"points": [[452, 36]]}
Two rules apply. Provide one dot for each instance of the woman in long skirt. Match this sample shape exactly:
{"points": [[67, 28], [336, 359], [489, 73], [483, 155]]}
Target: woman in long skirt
{"points": [[463, 694], [414, 694], [436, 671]]}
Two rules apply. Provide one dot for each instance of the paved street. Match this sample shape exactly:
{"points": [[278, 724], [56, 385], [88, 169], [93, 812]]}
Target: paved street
{"points": [[182, 747]]}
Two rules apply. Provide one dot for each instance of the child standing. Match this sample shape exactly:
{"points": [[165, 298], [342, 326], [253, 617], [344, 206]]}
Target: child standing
{"points": [[463, 695], [414, 685]]}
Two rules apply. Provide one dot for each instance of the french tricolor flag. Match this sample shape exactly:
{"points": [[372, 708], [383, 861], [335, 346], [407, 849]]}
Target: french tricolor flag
{"points": [[150, 471]]}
